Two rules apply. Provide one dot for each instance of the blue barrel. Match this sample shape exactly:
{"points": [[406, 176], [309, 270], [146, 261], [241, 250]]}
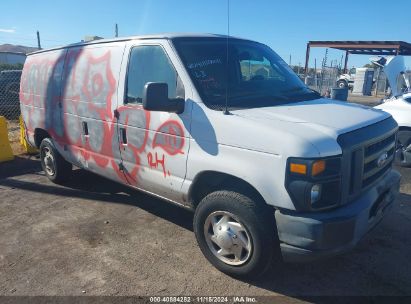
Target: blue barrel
{"points": [[339, 93]]}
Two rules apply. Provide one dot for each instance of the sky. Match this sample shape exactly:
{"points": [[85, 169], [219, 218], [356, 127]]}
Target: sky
{"points": [[285, 26]]}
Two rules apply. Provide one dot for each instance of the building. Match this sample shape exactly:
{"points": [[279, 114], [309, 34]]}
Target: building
{"points": [[12, 57], [14, 54]]}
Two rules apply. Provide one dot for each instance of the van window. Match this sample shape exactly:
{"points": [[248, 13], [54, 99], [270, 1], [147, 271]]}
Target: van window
{"points": [[253, 69], [239, 73], [149, 64]]}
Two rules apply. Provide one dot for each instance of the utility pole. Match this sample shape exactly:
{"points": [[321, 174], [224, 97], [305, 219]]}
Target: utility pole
{"points": [[116, 32], [38, 40], [289, 62]]}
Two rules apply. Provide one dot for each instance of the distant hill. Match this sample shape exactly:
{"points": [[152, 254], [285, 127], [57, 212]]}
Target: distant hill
{"points": [[17, 48]]}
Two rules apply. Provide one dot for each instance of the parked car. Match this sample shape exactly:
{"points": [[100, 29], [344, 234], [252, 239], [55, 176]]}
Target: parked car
{"points": [[9, 93], [272, 171], [398, 104]]}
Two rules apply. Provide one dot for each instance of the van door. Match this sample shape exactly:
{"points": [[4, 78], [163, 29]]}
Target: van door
{"points": [[154, 145], [90, 84]]}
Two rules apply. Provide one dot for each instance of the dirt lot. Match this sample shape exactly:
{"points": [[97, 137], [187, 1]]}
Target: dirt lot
{"points": [[96, 237]]}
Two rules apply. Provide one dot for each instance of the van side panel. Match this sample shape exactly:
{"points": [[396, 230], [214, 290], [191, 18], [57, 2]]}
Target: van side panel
{"points": [[89, 98], [62, 91], [40, 90]]}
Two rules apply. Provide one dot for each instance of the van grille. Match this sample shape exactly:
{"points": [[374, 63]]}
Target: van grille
{"points": [[378, 158], [368, 154]]}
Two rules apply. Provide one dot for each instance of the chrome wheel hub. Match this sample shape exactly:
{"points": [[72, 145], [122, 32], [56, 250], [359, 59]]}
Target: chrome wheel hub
{"points": [[227, 238], [48, 159]]}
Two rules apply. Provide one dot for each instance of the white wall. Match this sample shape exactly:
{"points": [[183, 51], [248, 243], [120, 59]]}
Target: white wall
{"points": [[12, 58]]}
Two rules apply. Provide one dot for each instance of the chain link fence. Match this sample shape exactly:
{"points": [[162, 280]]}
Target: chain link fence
{"points": [[10, 105], [9, 94], [322, 80], [325, 79]]}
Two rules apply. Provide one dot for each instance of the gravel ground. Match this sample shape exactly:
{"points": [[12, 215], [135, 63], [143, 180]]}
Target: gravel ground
{"points": [[95, 237]]}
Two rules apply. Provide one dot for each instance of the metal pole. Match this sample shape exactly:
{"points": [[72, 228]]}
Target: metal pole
{"points": [[38, 40], [116, 32], [307, 58], [346, 62]]}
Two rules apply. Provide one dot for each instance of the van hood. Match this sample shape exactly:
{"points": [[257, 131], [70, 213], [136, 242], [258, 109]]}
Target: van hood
{"points": [[326, 115], [393, 67]]}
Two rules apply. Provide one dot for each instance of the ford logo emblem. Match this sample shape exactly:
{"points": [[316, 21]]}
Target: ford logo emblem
{"points": [[382, 159]]}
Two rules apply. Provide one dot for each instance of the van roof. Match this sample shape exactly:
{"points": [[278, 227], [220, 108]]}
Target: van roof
{"points": [[156, 36]]}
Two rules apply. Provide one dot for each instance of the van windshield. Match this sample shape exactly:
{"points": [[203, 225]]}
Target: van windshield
{"points": [[255, 75]]}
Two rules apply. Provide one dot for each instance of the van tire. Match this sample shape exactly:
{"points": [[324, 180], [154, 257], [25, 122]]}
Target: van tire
{"points": [[342, 84], [56, 168], [259, 223]]}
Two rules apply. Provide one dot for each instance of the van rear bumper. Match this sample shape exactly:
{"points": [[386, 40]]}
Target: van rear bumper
{"points": [[310, 236]]}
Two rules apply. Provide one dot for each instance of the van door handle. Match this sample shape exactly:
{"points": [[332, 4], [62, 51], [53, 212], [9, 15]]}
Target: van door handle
{"points": [[123, 136], [85, 128]]}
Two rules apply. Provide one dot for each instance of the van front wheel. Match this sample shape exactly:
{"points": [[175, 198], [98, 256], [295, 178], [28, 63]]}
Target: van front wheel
{"points": [[236, 234], [56, 168]]}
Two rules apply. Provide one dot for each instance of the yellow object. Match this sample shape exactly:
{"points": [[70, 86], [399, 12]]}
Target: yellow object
{"points": [[23, 141], [298, 168], [318, 167], [6, 153]]}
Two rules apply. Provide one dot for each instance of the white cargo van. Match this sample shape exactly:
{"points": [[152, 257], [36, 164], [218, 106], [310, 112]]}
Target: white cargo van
{"points": [[273, 171]]}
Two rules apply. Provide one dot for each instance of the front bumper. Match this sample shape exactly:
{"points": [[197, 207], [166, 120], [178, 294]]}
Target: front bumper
{"points": [[310, 236]]}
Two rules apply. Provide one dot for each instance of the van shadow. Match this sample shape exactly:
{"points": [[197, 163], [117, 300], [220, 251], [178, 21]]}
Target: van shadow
{"points": [[201, 131], [22, 164], [86, 185]]}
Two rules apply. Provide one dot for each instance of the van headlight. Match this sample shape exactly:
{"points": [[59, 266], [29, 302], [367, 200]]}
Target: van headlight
{"points": [[314, 184]]}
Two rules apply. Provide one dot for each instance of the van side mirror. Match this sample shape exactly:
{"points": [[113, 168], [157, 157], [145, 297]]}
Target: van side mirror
{"points": [[155, 98]]}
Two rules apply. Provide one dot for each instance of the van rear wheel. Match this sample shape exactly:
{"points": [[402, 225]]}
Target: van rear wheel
{"points": [[236, 233], [56, 168]]}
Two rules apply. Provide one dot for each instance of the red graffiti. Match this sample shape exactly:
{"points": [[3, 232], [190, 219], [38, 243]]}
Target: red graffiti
{"points": [[77, 84], [170, 137], [95, 90], [155, 163]]}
